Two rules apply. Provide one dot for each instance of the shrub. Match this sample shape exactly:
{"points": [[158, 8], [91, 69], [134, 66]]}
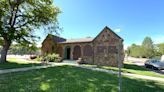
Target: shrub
{"points": [[52, 58], [39, 58]]}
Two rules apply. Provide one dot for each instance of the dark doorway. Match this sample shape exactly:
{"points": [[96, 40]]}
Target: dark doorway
{"points": [[67, 54]]}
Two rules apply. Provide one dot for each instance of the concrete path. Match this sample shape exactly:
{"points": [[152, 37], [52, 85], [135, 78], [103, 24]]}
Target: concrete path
{"points": [[81, 66], [21, 69], [34, 67], [144, 77], [125, 74]]}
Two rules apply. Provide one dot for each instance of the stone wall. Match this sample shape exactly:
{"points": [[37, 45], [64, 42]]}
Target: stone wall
{"points": [[103, 50], [106, 46], [87, 59], [48, 46]]}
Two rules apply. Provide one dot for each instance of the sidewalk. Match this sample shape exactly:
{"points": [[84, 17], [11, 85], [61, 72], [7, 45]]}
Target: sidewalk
{"points": [[125, 74], [33, 68], [80, 66]]}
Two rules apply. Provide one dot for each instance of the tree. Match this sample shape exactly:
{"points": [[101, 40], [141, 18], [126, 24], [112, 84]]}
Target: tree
{"points": [[161, 48], [20, 18], [21, 49], [135, 50], [148, 47]]}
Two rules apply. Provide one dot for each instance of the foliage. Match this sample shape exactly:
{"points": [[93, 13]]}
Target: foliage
{"points": [[160, 48], [135, 50], [18, 63], [19, 19], [52, 57], [146, 50], [39, 58], [148, 47], [19, 49], [1, 41]]}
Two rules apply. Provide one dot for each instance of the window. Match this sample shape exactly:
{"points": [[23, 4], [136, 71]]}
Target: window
{"points": [[101, 49], [112, 49]]}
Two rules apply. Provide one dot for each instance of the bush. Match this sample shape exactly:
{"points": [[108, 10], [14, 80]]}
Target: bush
{"points": [[52, 58], [39, 58]]}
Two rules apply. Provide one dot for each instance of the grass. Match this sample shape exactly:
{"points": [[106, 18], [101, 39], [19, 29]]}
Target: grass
{"points": [[17, 63], [128, 67], [72, 79], [135, 69]]}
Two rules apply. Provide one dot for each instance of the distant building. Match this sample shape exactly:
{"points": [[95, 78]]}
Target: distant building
{"points": [[101, 50]]}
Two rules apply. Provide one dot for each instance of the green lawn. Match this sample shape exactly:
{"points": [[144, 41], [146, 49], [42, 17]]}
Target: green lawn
{"points": [[135, 69], [17, 63], [72, 79]]}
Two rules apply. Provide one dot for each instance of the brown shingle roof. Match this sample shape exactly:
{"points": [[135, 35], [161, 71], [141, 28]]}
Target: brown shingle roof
{"points": [[78, 40]]}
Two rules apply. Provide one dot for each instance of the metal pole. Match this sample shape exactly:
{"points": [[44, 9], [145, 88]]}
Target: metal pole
{"points": [[119, 73]]}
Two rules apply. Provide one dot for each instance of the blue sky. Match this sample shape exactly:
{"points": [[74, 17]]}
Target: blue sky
{"points": [[130, 19]]}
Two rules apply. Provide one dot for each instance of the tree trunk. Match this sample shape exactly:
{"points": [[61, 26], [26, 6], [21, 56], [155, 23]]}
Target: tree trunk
{"points": [[4, 51]]}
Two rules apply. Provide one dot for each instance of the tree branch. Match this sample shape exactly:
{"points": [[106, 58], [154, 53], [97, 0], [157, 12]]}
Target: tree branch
{"points": [[15, 16], [11, 10], [25, 24]]}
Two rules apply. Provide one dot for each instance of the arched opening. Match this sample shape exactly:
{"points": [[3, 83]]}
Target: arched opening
{"points": [[76, 52], [60, 50], [67, 52], [88, 51]]}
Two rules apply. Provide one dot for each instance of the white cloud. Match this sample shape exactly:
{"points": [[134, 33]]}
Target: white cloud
{"points": [[117, 30]]}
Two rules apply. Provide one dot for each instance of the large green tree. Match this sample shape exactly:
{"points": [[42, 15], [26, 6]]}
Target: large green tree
{"points": [[135, 50], [20, 18], [148, 47], [161, 48]]}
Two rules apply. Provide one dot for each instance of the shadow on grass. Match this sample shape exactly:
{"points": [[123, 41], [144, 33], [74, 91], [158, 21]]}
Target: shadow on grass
{"points": [[135, 67], [72, 79], [10, 65]]}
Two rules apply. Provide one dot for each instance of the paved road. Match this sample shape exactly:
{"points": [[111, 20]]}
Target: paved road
{"points": [[140, 62]]}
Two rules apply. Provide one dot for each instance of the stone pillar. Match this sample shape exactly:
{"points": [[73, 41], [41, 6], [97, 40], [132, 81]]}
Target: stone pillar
{"points": [[82, 53], [71, 53]]}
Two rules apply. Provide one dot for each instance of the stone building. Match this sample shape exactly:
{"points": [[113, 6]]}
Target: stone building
{"points": [[105, 49]]}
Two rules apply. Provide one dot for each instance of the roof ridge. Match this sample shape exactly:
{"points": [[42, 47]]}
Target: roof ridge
{"points": [[56, 36]]}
